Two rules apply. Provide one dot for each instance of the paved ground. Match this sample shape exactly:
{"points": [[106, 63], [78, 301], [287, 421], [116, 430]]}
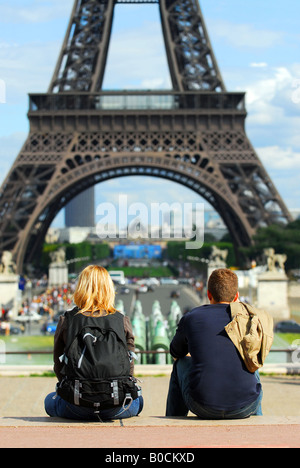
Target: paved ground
{"points": [[23, 422]]}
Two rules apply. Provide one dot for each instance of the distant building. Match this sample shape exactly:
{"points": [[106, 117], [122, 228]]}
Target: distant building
{"points": [[80, 212], [75, 235], [138, 251]]}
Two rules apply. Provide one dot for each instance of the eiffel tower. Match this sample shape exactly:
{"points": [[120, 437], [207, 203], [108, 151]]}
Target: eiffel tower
{"points": [[81, 135]]}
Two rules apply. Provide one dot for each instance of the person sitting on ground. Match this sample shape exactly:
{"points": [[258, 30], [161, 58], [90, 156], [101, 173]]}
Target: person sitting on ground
{"points": [[209, 376], [93, 356]]}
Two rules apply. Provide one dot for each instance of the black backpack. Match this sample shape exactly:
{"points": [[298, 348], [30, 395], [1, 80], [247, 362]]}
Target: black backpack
{"points": [[96, 362]]}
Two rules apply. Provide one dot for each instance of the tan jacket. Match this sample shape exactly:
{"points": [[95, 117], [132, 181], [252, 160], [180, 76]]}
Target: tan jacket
{"points": [[251, 331]]}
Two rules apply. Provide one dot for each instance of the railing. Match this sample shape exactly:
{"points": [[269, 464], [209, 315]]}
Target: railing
{"points": [[135, 100], [154, 334], [288, 351]]}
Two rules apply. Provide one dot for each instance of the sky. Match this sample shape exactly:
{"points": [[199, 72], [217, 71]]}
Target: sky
{"points": [[257, 48]]}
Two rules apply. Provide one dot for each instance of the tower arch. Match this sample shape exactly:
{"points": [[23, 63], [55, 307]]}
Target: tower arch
{"points": [[69, 187]]}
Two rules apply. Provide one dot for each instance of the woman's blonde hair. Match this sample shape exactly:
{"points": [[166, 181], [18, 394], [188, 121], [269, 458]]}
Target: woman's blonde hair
{"points": [[95, 292]]}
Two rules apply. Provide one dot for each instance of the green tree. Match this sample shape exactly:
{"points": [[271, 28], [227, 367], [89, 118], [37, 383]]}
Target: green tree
{"points": [[177, 251], [91, 253], [283, 239]]}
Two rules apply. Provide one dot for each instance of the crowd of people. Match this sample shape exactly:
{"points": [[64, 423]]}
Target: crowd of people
{"points": [[39, 301], [49, 302], [36, 302]]}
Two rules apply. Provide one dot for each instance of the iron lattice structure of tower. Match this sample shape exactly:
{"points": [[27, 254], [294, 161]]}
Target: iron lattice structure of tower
{"points": [[81, 135]]}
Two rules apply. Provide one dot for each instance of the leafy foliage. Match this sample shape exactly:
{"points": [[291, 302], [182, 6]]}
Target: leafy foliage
{"points": [[283, 239]]}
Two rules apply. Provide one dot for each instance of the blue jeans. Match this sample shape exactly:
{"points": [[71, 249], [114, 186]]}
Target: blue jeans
{"points": [[180, 402], [56, 407]]}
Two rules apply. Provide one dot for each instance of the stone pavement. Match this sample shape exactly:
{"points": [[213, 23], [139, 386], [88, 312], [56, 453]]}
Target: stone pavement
{"points": [[23, 422]]}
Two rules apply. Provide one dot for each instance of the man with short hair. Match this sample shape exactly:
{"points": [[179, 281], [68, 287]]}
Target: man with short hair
{"points": [[209, 376]]}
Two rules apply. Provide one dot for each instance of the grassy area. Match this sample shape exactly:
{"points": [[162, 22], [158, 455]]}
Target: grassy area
{"points": [[144, 272], [45, 343], [26, 344], [290, 338]]}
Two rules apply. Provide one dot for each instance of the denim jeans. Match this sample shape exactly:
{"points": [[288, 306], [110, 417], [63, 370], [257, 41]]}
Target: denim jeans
{"points": [[180, 402], [55, 406]]}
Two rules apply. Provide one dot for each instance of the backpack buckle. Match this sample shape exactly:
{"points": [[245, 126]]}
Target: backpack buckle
{"points": [[77, 394], [127, 397], [115, 393]]}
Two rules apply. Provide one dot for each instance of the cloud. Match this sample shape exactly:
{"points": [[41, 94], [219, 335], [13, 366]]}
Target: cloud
{"points": [[144, 189], [137, 59], [268, 85], [283, 166], [245, 35], [273, 123], [280, 158], [34, 11], [20, 72], [258, 65], [9, 149], [271, 103]]}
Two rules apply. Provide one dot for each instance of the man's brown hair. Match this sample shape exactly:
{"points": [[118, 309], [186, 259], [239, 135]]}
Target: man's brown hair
{"points": [[223, 285]]}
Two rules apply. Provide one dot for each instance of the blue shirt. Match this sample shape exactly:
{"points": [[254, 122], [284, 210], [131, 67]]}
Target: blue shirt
{"points": [[219, 378]]}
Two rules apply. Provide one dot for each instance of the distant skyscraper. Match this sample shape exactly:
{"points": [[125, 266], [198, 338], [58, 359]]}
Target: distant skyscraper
{"points": [[81, 210]]}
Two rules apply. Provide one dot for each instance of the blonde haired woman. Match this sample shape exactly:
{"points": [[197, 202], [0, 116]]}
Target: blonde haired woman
{"points": [[93, 348]]}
